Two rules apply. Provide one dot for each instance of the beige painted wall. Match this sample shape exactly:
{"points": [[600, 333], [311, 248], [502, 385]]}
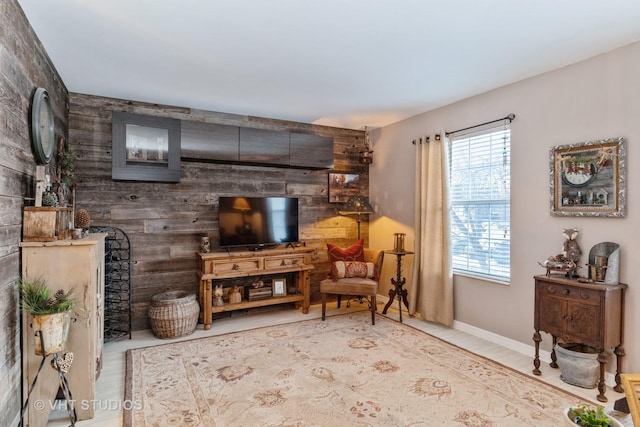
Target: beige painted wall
{"points": [[594, 99]]}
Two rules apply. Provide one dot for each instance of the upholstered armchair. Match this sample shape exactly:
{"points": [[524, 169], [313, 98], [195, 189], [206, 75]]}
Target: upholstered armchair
{"points": [[354, 278]]}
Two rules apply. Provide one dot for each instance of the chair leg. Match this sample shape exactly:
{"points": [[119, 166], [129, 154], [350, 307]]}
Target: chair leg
{"points": [[324, 305], [373, 309], [339, 299]]}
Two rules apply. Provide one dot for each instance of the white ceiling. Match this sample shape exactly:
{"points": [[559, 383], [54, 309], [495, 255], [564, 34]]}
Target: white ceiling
{"points": [[345, 63]]}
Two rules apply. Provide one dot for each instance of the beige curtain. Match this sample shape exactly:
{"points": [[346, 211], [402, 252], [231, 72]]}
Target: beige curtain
{"points": [[431, 290]]}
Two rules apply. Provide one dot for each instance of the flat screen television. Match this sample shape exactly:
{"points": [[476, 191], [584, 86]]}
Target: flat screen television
{"points": [[256, 222]]}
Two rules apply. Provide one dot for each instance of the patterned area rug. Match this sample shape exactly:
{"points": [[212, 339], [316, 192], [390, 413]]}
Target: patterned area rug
{"points": [[343, 371]]}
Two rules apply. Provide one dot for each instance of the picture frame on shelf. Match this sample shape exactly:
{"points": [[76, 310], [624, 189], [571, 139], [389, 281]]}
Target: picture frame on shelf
{"points": [[588, 178], [279, 286], [342, 186]]}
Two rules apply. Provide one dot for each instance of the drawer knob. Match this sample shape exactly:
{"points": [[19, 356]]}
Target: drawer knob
{"points": [[283, 263], [565, 292], [235, 267]]}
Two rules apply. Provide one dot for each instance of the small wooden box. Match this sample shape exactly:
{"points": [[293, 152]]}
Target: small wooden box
{"points": [[256, 294], [46, 224]]}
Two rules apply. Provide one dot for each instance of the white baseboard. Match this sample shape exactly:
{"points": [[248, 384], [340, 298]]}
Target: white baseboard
{"points": [[526, 349], [522, 348]]}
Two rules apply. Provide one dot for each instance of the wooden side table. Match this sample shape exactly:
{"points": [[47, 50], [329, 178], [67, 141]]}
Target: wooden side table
{"points": [[585, 313], [398, 283]]}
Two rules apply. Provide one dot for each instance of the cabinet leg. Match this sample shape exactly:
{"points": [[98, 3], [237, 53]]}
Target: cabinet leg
{"points": [[304, 280], [602, 387], [619, 352], [205, 305], [554, 358], [536, 360]]}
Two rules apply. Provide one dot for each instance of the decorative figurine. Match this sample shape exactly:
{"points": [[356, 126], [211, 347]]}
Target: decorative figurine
{"points": [[234, 295], [571, 249], [217, 296], [205, 244]]}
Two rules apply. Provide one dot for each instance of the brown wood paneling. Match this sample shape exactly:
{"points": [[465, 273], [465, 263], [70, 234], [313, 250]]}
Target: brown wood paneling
{"points": [[165, 221], [24, 66]]}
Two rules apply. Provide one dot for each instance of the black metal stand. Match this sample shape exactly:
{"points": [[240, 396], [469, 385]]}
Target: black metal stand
{"points": [[117, 283], [64, 384], [398, 283]]}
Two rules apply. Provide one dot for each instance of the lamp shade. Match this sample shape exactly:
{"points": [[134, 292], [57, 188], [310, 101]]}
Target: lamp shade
{"points": [[241, 204], [356, 205]]}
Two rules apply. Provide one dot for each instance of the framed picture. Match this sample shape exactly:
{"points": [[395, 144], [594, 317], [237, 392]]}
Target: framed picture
{"points": [[145, 148], [631, 385], [279, 286], [589, 178], [343, 185]]}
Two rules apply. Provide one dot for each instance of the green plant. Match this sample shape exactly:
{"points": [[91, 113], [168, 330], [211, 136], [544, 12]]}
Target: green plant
{"points": [[37, 298], [68, 173], [588, 417]]}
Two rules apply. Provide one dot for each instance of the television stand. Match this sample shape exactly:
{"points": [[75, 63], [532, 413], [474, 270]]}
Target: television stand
{"points": [[217, 266]]}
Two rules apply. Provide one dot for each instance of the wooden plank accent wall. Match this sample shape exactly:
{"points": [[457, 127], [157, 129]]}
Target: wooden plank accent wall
{"points": [[165, 221], [24, 66]]}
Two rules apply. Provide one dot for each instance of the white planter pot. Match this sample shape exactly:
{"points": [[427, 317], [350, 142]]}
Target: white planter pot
{"points": [[569, 422], [54, 329], [578, 368]]}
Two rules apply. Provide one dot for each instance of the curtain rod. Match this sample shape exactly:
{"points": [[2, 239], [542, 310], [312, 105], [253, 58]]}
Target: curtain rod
{"points": [[509, 117]]}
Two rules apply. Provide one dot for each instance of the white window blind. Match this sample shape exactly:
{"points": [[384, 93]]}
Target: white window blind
{"points": [[480, 186]]}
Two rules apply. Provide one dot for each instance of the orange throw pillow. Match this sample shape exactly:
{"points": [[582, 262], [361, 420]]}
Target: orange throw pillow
{"points": [[352, 253]]}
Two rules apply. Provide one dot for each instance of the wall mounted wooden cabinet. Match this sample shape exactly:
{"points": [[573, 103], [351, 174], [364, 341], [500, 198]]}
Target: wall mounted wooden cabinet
{"points": [[145, 148], [209, 141], [224, 143], [312, 151], [264, 146]]}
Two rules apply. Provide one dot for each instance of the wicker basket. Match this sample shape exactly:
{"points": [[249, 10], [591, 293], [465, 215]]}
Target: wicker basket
{"points": [[173, 314]]}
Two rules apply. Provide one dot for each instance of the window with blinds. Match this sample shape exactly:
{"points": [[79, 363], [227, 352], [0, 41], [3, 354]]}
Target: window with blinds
{"points": [[480, 185]]}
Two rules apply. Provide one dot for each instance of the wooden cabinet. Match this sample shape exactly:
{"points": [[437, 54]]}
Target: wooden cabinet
{"points": [[76, 265], [219, 266], [145, 148], [201, 141], [311, 151], [586, 313], [264, 146], [209, 141]]}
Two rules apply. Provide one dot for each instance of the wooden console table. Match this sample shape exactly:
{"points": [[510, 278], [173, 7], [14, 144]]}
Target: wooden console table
{"points": [[585, 313], [228, 265]]}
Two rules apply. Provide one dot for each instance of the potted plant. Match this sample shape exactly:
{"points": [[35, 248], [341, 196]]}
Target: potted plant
{"points": [[589, 417], [65, 185], [50, 311]]}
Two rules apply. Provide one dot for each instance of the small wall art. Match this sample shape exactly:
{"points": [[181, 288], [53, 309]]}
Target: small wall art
{"points": [[589, 178], [343, 185]]}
